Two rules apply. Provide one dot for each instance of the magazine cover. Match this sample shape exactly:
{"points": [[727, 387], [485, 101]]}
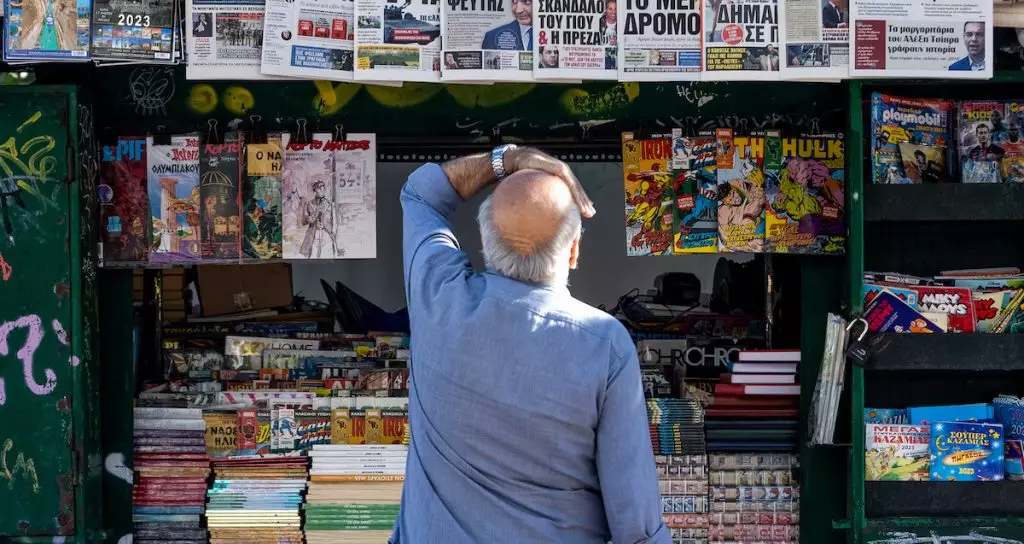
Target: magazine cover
{"points": [[888, 313], [896, 452], [923, 163], [246, 352], [894, 119], [174, 199], [487, 41], [308, 199], [225, 39], [649, 199], [1009, 413], [981, 128], [220, 215], [806, 197], [741, 40], [1013, 144], [658, 41], [696, 191], [741, 186], [142, 30], [575, 40], [124, 208], [355, 196], [261, 199], [966, 451], [39, 31], [956, 302], [398, 42]]}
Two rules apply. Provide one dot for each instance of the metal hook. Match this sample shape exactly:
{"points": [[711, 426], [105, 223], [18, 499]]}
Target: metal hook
{"points": [[211, 133], [339, 133], [301, 136]]}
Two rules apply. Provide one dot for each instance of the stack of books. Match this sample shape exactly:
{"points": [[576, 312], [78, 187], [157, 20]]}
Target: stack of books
{"points": [[257, 499], [753, 498], [676, 426], [683, 484], [756, 406], [168, 497], [354, 493]]}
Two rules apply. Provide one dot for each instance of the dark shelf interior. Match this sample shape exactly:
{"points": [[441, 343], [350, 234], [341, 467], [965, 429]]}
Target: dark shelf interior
{"points": [[948, 352], [944, 202], [943, 499]]}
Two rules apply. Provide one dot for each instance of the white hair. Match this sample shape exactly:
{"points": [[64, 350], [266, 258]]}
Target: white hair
{"points": [[549, 263]]}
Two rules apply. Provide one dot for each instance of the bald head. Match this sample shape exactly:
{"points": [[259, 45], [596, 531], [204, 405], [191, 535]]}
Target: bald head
{"points": [[528, 227]]}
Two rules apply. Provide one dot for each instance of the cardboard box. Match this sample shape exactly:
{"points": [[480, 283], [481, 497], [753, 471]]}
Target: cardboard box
{"points": [[231, 289]]}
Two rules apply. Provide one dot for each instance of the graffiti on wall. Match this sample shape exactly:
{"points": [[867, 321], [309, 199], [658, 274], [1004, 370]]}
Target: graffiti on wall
{"points": [[22, 467], [971, 537], [34, 332]]}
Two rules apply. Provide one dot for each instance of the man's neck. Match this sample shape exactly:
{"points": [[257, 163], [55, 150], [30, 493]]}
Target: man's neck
{"points": [[978, 60]]}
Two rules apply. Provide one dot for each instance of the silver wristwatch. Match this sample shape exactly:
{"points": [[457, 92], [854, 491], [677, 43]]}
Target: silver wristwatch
{"points": [[498, 160]]}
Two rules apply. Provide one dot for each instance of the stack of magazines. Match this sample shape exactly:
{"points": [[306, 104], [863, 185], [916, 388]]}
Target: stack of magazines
{"points": [[256, 499]]}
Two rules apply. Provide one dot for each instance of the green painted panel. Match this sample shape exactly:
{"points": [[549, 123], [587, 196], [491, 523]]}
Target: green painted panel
{"points": [[943, 531], [37, 469]]}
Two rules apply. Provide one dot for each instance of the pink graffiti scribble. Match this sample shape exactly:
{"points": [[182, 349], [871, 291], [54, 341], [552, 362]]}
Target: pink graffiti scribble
{"points": [[62, 336], [3, 393], [5, 269], [35, 337]]}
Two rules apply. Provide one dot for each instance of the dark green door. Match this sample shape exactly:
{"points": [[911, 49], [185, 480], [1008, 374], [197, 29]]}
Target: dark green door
{"points": [[36, 475]]}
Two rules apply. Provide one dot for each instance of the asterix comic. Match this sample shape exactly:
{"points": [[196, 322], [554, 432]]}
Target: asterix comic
{"points": [[696, 192], [649, 195], [124, 209], [741, 186], [918, 121], [805, 199], [174, 199]]}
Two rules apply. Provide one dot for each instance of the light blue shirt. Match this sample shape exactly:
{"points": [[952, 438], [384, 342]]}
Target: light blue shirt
{"points": [[526, 407]]}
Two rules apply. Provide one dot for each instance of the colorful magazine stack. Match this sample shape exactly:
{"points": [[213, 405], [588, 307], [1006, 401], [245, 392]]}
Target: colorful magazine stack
{"points": [[912, 139], [257, 499], [753, 498], [677, 426], [756, 405], [683, 484], [354, 493], [171, 466]]}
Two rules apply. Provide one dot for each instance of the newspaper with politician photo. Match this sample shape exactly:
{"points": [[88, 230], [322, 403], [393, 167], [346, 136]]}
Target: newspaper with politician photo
{"points": [[921, 38], [659, 40], [487, 40], [224, 39], [741, 40], [309, 38], [575, 39], [816, 38], [398, 42]]}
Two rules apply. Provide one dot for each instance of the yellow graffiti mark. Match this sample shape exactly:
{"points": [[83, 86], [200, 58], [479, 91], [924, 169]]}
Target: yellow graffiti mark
{"points": [[585, 104], [29, 163], [238, 100], [488, 96], [31, 121], [331, 97], [202, 98], [408, 95], [27, 468]]}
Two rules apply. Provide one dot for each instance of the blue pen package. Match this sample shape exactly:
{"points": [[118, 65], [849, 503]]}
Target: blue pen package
{"points": [[966, 452]]}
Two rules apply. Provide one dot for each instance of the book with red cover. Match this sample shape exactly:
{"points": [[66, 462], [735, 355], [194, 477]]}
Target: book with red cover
{"points": [[740, 389], [758, 379], [956, 302], [755, 401]]}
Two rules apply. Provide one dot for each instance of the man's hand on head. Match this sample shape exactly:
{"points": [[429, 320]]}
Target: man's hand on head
{"points": [[527, 158]]}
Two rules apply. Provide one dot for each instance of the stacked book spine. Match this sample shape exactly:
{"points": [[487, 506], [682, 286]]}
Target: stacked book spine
{"points": [[257, 499], [171, 472], [354, 492], [756, 406], [754, 498], [676, 426]]}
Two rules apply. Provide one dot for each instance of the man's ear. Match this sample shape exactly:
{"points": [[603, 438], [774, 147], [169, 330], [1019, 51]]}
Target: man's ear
{"points": [[574, 254]]}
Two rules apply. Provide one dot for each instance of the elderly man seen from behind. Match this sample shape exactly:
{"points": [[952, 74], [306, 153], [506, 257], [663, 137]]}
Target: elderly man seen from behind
{"points": [[525, 405]]}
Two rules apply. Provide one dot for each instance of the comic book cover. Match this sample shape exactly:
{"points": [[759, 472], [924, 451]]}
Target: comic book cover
{"points": [[988, 306], [1013, 144], [1009, 411], [887, 313], [741, 185], [174, 199], [308, 199], [924, 163], [221, 429], [896, 452], [312, 427], [871, 290], [246, 352], [981, 128], [355, 196], [966, 451], [895, 119], [695, 185], [261, 199], [649, 198], [220, 216], [805, 198], [956, 302], [124, 208]]}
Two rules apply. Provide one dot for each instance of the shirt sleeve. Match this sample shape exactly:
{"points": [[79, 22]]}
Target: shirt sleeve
{"points": [[431, 253], [625, 460]]}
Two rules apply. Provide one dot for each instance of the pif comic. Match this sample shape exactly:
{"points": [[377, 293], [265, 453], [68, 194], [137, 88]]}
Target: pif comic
{"points": [[649, 195], [696, 192], [174, 199], [261, 199], [805, 197], [219, 174], [741, 185], [124, 209]]}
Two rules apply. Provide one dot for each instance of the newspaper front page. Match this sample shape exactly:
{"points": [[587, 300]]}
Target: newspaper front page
{"points": [[224, 39], [487, 40], [922, 38], [741, 40], [660, 40], [575, 39], [398, 41], [309, 38], [816, 39]]}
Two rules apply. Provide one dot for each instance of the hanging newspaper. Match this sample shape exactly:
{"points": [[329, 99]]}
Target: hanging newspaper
{"points": [[575, 39], [816, 39], [921, 38], [140, 31], [355, 196], [308, 38], [36, 30], [741, 40], [659, 40], [224, 39], [487, 40], [398, 42]]}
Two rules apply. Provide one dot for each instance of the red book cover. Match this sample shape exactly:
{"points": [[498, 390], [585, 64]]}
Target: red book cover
{"points": [[248, 429], [956, 302], [123, 201], [740, 389], [758, 379], [755, 401]]}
